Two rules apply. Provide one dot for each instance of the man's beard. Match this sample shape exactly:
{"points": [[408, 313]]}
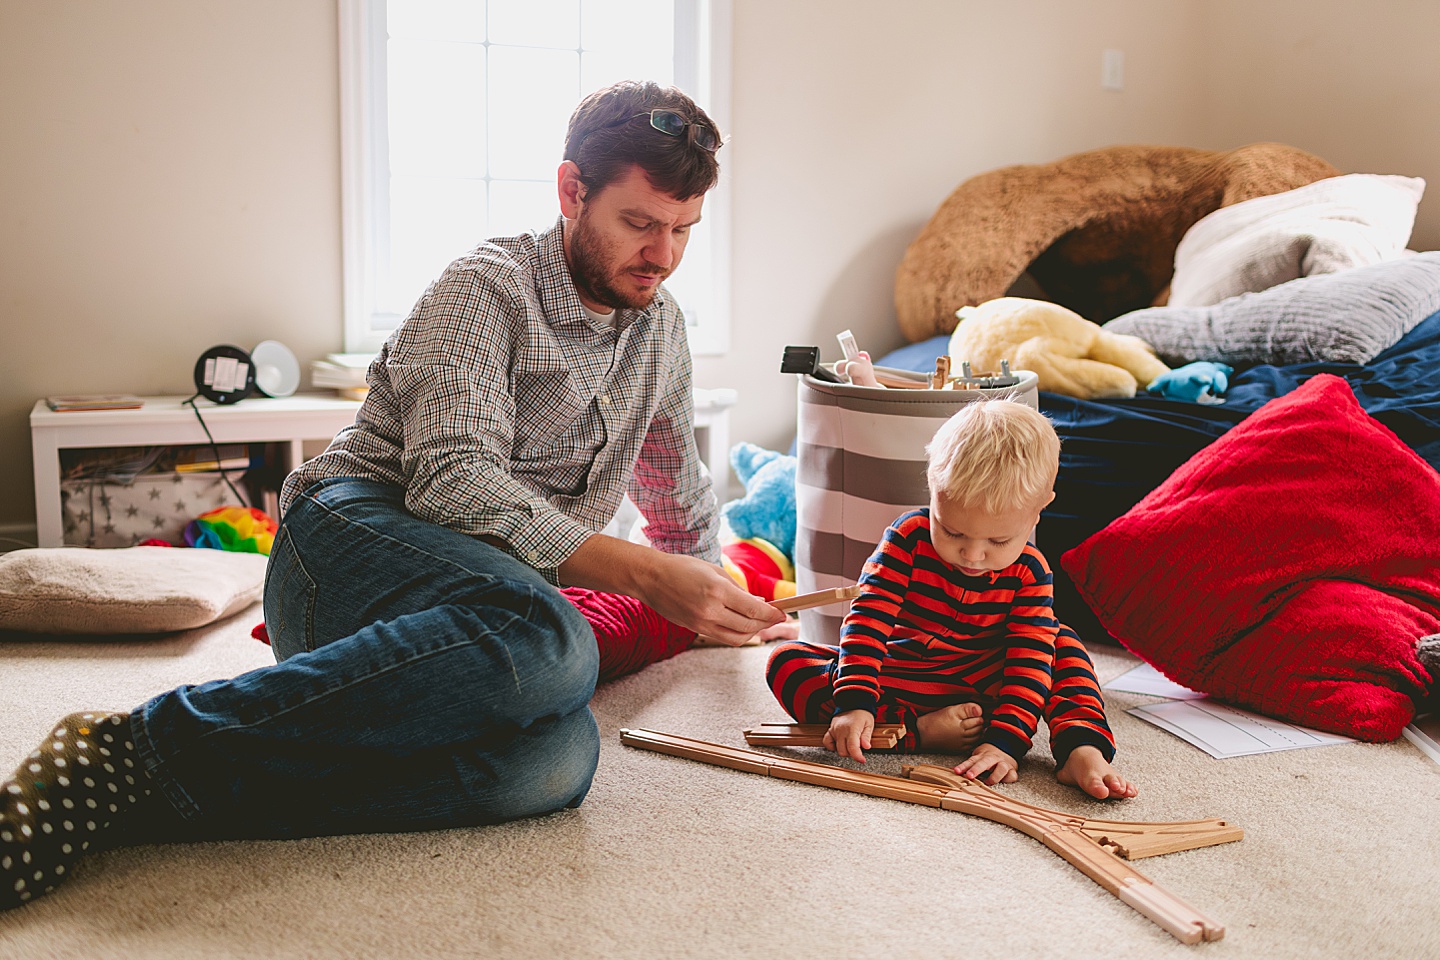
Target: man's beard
{"points": [[591, 270]]}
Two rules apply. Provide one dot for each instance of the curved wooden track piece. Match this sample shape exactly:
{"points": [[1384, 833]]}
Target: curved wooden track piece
{"points": [[1092, 846], [1131, 840]]}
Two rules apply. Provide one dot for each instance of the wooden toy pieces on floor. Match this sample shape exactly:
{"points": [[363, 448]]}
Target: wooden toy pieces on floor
{"points": [[1095, 847], [883, 737]]}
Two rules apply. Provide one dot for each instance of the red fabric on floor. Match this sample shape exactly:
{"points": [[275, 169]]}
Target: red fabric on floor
{"points": [[630, 635]]}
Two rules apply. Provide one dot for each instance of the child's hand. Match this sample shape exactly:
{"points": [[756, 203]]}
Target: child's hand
{"points": [[988, 757], [850, 732]]}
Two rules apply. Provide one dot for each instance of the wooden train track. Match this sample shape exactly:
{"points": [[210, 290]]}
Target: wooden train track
{"points": [[1098, 848]]}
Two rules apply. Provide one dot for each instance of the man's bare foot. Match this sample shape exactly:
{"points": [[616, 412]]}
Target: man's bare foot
{"points": [[953, 729], [1087, 769]]}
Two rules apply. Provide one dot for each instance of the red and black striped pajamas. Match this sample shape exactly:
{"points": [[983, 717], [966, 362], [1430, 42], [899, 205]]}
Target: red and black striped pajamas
{"points": [[922, 636]]}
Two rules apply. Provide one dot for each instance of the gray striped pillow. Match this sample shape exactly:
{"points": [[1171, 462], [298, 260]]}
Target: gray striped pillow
{"points": [[1345, 317], [861, 454]]}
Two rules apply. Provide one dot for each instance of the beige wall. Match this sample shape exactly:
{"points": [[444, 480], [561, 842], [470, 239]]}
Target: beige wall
{"points": [[852, 121], [169, 170], [169, 180], [1353, 82]]}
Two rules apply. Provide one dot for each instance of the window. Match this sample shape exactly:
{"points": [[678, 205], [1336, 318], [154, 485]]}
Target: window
{"points": [[453, 116]]}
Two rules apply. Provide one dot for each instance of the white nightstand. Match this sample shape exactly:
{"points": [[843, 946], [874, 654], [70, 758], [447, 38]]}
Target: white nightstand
{"points": [[287, 420], [168, 420]]}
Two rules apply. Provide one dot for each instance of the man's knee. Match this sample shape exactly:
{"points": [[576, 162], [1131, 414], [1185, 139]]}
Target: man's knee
{"points": [[550, 769]]}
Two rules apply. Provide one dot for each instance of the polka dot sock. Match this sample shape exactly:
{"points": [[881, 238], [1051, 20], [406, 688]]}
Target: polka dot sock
{"points": [[63, 799]]}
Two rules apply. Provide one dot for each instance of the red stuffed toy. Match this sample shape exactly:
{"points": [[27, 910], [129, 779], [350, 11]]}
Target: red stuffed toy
{"points": [[760, 567]]}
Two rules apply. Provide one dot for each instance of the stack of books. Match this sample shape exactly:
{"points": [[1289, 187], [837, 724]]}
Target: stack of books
{"points": [[233, 456], [343, 372], [95, 401]]}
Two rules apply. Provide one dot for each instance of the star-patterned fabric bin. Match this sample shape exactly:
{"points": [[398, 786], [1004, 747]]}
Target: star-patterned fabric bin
{"points": [[109, 513]]}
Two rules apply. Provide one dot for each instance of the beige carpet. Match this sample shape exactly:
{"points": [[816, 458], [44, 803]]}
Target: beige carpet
{"points": [[670, 858]]}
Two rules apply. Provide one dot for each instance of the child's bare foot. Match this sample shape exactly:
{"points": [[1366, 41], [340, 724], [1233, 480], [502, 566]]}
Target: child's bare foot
{"points": [[953, 729], [1087, 769]]}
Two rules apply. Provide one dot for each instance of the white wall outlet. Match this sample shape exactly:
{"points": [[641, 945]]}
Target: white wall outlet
{"points": [[1112, 70]]}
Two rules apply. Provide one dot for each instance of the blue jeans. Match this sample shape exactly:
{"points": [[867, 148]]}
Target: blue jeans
{"points": [[425, 679]]}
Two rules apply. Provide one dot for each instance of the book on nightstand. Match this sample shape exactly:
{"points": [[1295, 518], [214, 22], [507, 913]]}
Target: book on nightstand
{"points": [[341, 370], [96, 401], [233, 456]]}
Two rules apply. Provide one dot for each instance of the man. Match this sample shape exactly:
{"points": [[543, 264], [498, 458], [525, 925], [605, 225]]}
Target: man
{"points": [[430, 674]]}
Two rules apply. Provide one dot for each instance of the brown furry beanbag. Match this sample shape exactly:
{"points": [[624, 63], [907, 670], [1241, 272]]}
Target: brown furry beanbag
{"points": [[1097, 230]]}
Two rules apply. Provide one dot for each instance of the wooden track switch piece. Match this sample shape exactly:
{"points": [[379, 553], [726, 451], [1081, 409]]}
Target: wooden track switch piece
{"points": [[1095, 847]]}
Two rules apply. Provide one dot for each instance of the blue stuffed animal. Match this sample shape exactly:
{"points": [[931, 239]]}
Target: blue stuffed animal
{"points": [[1198, 382], [768, 508]]}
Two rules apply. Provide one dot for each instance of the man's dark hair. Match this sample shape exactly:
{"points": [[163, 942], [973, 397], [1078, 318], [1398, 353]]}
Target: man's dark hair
{"points": [[610, 130]]}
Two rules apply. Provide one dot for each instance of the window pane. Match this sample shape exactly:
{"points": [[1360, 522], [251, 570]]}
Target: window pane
{"points": [[527, 123], [690, 285], [431, 223], [436, 108], [602, 69], [536, 23], [627, 26], [477, 94], [437, 19], [520, 205]]}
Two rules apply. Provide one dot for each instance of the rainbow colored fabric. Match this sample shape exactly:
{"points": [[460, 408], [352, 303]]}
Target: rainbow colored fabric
{"points": [[237, 529]]}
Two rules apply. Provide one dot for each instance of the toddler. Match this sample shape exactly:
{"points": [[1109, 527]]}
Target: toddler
{"points": [[954, 634]]}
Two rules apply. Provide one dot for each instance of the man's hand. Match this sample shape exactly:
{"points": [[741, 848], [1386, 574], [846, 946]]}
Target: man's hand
{"points": [[703, 598], [990, 759], [684, 590], [849, 733]]}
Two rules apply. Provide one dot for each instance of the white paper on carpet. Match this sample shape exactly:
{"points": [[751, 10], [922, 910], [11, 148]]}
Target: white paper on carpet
{"points": [[1224, 731], [1151, 682]]}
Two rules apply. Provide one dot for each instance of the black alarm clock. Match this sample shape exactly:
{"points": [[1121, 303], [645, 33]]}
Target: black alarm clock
{"points": [[225, 374]]}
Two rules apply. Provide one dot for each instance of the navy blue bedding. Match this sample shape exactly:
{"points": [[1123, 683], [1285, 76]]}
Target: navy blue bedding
{"points": [[1113, 452]]}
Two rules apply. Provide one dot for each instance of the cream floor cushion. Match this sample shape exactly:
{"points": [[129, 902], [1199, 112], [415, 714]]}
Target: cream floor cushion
{"points": [[125, 591]]}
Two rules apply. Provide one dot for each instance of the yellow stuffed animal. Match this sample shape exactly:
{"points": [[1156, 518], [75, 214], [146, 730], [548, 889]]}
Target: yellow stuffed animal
{"points": [[1070, 355]]}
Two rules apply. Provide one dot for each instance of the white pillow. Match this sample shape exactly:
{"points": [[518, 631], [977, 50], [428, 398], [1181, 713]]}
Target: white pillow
{"points": [[1323, 227], [131, 590]]}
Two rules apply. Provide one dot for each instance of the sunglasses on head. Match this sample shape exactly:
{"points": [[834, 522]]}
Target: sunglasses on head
{"points": [[672, 124]]}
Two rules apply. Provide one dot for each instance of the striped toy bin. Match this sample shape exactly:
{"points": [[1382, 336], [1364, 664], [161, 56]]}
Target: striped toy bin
{"points": [[861, 453]]}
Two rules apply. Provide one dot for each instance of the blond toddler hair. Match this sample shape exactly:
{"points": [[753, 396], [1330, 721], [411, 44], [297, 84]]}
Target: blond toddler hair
{"points": [[994, 455]]}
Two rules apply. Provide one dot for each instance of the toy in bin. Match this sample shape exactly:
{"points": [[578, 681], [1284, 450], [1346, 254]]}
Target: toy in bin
{"points": [[237, 529]]}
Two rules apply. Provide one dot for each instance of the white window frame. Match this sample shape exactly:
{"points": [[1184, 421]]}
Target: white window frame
{"points": [[364, 166]]}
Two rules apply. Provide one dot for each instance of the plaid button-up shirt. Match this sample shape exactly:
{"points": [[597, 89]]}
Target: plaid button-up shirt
{"points": [[503, 409]]}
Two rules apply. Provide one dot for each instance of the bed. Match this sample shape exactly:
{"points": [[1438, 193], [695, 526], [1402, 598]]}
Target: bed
{"points": [[1114, 452]]}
